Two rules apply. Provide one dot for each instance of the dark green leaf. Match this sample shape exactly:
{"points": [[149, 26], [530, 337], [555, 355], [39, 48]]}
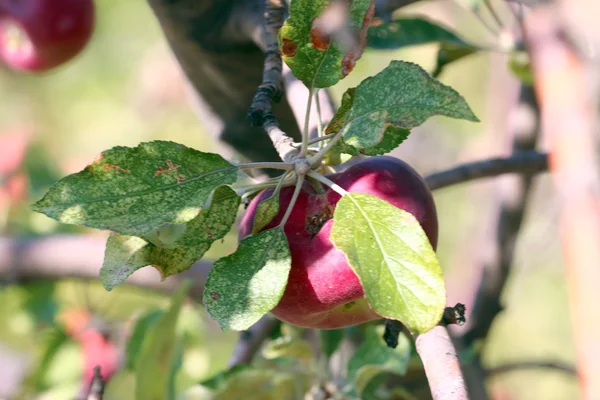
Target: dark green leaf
{"points": [[330, 340], [403, 95], [405, 32], [373, 357], [307, 50], [156, 359], [393, 259], [135, 190], [449, 53], [126, 254], [249, 283]]}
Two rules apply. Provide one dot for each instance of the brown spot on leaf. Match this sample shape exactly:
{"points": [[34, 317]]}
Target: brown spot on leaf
{"points": [[215, 296], [116, 168], [288, 48], [354, 54], [170, 168], [315, 222], [318, 38]]}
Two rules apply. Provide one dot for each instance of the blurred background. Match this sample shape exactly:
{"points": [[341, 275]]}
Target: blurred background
{"points": [[126, 88]]}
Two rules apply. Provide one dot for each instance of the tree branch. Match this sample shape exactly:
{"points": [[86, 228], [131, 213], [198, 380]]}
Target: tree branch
{"points": [[527, 162], [568, 95], [441, 365]]}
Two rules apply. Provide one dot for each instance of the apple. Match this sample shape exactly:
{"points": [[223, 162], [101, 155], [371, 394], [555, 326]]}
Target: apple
{"points": [[37, 35], [323, 291]]}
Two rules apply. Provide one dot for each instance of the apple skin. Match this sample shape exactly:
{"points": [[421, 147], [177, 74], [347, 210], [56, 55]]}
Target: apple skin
{"points": [[323, 292], [54, 32]]}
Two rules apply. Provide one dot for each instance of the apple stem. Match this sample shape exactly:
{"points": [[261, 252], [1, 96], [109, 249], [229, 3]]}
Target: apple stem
{"points": [[336, 188], [316, 159], [297, 189], [305, 132]]}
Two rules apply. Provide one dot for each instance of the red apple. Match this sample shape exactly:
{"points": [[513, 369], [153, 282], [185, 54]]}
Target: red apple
{"points": [[323, 291], [36, 35]]}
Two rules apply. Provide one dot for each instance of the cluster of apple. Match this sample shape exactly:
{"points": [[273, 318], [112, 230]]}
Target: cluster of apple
{"points": [[37, 35], [323, 291]]}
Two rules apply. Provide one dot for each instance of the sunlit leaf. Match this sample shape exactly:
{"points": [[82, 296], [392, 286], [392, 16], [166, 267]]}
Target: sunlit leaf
{"points": [[135, 190], [155, 362], [393, 259], [313, 54], [403, 96], [249, 283]]}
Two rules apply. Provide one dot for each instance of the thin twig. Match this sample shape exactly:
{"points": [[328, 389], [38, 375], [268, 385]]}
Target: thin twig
{"points": [[529, 162], [271, 88], [494, 14], [96, 390], [249, 342]]}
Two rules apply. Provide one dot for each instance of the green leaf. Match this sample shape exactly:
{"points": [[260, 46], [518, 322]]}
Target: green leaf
{"points": [[403, 96], [157, 356], [373, 357], [263, 384], [210, 225], [135, 190], [520, 66], [313, 58], [404, 32], [288, 347], [330, 340], [136, 339], [126, 254], [266, 211], [393, 259], [448, 53], [249, 283]]}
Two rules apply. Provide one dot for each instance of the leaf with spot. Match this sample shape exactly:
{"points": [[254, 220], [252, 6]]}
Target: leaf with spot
{"points": [[316, 56], [249, 283], [158, 352], [126, 254], [404, 32], [402, 96], [393, 259], [210, 225], [135, 190], [392, 136], [373, 358]]}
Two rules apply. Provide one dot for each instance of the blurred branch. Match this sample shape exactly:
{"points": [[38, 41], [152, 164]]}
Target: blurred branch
{"points": [[441, 364], [96, 390], [80, 257], [522, 365], [514, 199], [527, 162], [249, 342], [568, 98]]}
